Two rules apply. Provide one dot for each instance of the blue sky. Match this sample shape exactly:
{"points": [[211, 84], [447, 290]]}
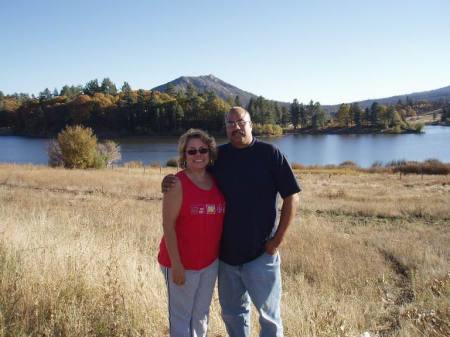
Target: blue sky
{"points": [[328, 51]]}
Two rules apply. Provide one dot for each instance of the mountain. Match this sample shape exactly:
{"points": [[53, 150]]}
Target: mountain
{"points": [[208, 83], [225, 90]]}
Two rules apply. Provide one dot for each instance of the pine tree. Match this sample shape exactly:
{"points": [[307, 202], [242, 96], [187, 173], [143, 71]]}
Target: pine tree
{"points": [[91, 87], [108, 87], [365, 120], [319, 117], [295, 111], [302, 116], [171, 89], [45, 95], [310, 112], [445, 116], [126, 88], [374, 114], [355, 113], [237, 101], [251, 107], [190, 91], [284, 116]]}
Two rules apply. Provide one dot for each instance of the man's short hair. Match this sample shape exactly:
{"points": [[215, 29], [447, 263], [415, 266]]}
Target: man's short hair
{"points": [[240, 110]]}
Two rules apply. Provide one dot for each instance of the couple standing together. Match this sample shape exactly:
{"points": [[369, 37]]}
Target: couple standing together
{"points": [[219, 222]]}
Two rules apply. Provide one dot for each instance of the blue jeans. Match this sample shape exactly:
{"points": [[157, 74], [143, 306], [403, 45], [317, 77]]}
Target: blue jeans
{"points": [[258, 281]]}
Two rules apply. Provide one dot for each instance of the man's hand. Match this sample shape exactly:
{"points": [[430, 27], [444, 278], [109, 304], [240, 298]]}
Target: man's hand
{"points": [[272, 246], [286, 217], [178, 275], [168, 182]]}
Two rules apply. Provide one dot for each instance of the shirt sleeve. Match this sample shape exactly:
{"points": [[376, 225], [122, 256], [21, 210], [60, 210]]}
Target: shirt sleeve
{"points": [[284, 177]]}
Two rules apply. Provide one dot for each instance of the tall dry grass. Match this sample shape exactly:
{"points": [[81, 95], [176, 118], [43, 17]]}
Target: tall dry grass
{"points": [[367, 253]]}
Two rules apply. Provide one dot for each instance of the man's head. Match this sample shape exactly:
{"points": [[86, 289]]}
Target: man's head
{"points": [[239, 127]]}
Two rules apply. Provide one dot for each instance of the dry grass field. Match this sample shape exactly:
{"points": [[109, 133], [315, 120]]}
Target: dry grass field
{"points": [[368, 254]]}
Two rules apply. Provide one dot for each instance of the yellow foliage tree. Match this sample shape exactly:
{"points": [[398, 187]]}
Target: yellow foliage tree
{"points": [[78, 147]]}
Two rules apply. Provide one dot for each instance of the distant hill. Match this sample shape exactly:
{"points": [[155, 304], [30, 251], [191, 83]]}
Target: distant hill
{"points": [[208, 83], [225, 90], [441, 94]]}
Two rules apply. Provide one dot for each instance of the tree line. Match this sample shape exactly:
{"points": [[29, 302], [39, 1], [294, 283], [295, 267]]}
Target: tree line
{"points": [[107, 110], [112, 111]]}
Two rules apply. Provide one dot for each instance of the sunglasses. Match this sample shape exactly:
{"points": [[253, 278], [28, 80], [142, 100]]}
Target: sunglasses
{"points": [[193, 152]]}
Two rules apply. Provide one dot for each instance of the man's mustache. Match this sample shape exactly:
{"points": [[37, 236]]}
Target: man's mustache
{"points": [[238, 132]]}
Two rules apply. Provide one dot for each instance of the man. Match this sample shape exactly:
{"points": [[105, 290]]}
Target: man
{"points": [[250, 173]]}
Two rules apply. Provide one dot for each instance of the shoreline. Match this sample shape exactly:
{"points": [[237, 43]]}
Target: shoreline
{"points": [[7, 131], [106, 135]]}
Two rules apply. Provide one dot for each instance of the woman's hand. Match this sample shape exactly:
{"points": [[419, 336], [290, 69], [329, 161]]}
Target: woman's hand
{"points": [[178, 275]]}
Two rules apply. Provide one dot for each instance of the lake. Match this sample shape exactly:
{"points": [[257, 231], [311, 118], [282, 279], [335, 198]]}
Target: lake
{"points": [[364, 150]]}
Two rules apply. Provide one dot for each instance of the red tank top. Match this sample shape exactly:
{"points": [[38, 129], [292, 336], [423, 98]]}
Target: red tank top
{"points": [[198, 226]]}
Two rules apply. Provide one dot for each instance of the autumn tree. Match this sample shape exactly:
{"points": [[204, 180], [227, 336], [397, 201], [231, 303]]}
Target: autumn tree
{"points": [[78, 147], [343, 115], [382, 117]]}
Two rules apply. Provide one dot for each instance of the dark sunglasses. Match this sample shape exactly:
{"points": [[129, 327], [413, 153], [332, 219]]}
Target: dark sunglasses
{"points": [[193, 152]]}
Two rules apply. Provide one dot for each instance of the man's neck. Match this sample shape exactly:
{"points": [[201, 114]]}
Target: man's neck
{"points": [[243, 145]]}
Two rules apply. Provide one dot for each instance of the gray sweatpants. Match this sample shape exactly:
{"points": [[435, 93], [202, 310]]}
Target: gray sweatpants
{"points": [[189, 304]]}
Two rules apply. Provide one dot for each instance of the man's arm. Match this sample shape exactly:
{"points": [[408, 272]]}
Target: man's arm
{"points": [[168, 182], [288, 210]]}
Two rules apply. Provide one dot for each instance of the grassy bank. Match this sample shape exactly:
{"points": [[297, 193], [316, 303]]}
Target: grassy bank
{"points": [[368, 252]]}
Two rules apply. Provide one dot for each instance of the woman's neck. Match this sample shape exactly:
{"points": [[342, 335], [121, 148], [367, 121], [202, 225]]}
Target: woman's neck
{"points": [[200, 178], [200, 173]]}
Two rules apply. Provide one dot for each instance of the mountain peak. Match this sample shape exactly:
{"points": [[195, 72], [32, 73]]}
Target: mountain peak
{"points": [[210, 77], [209, 82]]}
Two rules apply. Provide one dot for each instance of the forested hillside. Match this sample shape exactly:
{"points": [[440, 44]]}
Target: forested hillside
{"points": [[196, 103]]}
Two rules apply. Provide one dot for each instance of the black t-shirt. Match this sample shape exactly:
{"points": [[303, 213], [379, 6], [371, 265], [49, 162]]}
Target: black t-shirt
{"points": [[250, 179]]}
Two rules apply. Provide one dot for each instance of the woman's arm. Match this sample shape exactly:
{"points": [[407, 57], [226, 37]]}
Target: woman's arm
{"points": [[172, 200]]}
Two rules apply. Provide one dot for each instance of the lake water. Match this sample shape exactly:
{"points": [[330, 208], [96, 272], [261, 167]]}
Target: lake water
{"points": [[364, 150]]}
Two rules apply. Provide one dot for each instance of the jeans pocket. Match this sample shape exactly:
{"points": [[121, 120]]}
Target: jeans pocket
{"points": [[272, 259]]}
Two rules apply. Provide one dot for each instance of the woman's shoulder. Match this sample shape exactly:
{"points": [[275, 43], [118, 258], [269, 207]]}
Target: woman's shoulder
{"points": [[183, 178]]}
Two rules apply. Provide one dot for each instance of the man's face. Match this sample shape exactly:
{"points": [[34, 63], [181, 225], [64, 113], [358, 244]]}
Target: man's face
{"points": [[239, 129]]}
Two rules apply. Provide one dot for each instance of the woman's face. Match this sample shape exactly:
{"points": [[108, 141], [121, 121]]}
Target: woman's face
{"points": [[197, 154]]}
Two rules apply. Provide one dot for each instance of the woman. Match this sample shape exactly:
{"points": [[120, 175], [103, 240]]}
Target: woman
{"points": [[193, 213]]}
